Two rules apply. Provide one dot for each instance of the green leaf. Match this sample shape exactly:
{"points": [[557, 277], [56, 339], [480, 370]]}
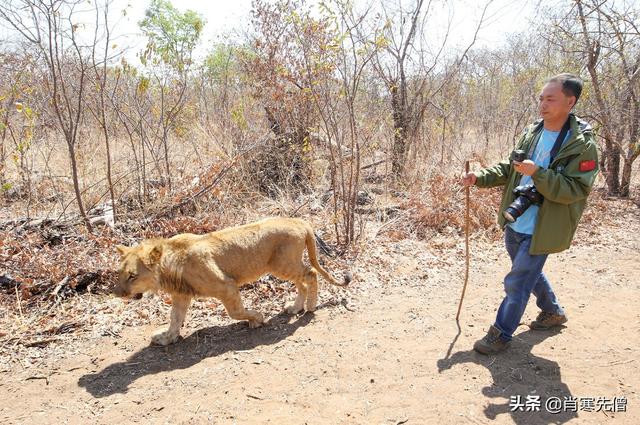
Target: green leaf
{"points": [[172, 35]]}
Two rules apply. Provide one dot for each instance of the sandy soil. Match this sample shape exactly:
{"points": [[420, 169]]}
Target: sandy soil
{"points": [[386, 351]]}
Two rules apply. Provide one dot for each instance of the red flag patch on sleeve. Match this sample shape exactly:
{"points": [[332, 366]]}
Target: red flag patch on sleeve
{"points": [[587, 165]]}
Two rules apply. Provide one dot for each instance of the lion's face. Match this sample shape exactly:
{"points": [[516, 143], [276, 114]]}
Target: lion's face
{"points": [[136, 274]]}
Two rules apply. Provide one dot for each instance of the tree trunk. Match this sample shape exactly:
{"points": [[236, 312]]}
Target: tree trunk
{"points": [[76, 186], [626, 178], [632, 155], [165, 143], [144, 167], [2, 158], [109, 179], [443, 141], [612, 154], [136, 161], [5, 126], [400, 121], [399, 148]]}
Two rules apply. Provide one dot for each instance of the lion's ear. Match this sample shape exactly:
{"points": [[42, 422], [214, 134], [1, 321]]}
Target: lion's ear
{"points": [[122, 250], [152, 256]]}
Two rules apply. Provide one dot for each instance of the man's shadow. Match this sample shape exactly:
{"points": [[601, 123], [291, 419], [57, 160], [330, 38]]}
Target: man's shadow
{"points": [[518, 372], [204, 343]]}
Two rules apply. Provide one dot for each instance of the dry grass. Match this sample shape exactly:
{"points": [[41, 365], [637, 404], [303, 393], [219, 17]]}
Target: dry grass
{"points": [[438, 208]]}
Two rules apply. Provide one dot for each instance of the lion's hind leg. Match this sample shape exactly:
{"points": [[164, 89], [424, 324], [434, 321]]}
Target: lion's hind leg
{"points": [[298, 304], [296, 277], [311, 280], [233, 303], [306, 283]]}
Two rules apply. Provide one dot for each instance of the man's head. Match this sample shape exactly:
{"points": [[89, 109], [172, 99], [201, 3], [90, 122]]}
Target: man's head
{"points": [[558, 97]]}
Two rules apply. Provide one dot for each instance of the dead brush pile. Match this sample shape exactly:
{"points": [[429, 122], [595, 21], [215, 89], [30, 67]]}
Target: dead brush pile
{"points": [[439, 208], [280, 166]]}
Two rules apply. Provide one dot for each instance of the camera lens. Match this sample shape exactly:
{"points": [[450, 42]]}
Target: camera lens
{"points": [[508, 215], [516, 209]]}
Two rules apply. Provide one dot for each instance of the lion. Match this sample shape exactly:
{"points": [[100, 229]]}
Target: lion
{"points": [[217, 264]]}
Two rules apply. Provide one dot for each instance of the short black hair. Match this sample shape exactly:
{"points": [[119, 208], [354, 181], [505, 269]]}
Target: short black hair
{"points": [[571, 84]]}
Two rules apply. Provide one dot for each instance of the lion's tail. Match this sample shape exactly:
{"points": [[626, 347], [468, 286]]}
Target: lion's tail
{"points": [[313, 258]]}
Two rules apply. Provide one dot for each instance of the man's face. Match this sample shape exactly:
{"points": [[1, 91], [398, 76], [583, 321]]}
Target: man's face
{"points": [[554, 104]]}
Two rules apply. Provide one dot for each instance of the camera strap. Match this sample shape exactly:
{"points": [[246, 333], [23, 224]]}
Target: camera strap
{"points": [[558, 144]]}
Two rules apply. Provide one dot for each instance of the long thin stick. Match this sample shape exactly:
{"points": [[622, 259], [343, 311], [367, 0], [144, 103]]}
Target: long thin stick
{"points": [[466, 241], [18, 302]]}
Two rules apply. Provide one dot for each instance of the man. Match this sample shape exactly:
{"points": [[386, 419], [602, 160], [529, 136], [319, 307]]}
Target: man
{"points": [[562, 165]]}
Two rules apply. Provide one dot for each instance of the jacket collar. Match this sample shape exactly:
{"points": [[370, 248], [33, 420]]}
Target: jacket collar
{"points": [[578, 128]]}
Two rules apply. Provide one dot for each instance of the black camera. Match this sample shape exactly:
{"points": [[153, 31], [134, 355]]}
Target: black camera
{"points": [[526, 195], [518, 155]]}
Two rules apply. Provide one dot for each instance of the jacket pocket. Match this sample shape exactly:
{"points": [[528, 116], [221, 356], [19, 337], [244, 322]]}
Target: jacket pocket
{"points": [[554, 229]]}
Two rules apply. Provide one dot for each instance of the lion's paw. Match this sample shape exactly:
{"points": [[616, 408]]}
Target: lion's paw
{"points": [[254, 325], [293, 309], [257, 322], [164, 338]]}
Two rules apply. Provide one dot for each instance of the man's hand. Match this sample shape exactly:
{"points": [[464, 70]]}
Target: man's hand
{"points": [[468, 179], [526, 167]]}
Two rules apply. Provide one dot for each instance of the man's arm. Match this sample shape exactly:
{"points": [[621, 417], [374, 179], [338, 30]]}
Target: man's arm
{"points": [[498, 175], [494, 176], [574, 182]]}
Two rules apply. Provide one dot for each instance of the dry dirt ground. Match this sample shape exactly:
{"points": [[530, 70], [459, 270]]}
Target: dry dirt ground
{"points": [[385, 351]]}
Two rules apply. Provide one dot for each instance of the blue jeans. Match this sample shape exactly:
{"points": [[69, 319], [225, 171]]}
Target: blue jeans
{"points": [[524, 278]]}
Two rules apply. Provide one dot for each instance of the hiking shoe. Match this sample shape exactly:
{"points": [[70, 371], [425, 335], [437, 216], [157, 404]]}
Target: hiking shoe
{"points": [[546, 320], [491, 343]]}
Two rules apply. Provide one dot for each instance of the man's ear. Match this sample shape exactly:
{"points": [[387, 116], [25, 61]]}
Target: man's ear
{"points": [[152, 256], [122, 250]]}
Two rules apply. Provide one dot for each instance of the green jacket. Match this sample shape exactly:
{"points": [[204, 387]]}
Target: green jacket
{"points": [[565, 185]]}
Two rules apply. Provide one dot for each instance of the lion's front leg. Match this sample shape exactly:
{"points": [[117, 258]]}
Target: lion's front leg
{"points": [[180, 305]]}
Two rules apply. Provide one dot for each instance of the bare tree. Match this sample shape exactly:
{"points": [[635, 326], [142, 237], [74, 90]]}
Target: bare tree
{"points": [[604, 39], [51, 28], [126, 102], [348, 48], [281, 84], [408, 72], [99, 76], [172, 37], [610, 32]]}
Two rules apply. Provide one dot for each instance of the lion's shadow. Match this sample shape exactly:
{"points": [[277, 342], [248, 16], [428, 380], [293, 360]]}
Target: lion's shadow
{"points": [[204, 343], [519, 372]]}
